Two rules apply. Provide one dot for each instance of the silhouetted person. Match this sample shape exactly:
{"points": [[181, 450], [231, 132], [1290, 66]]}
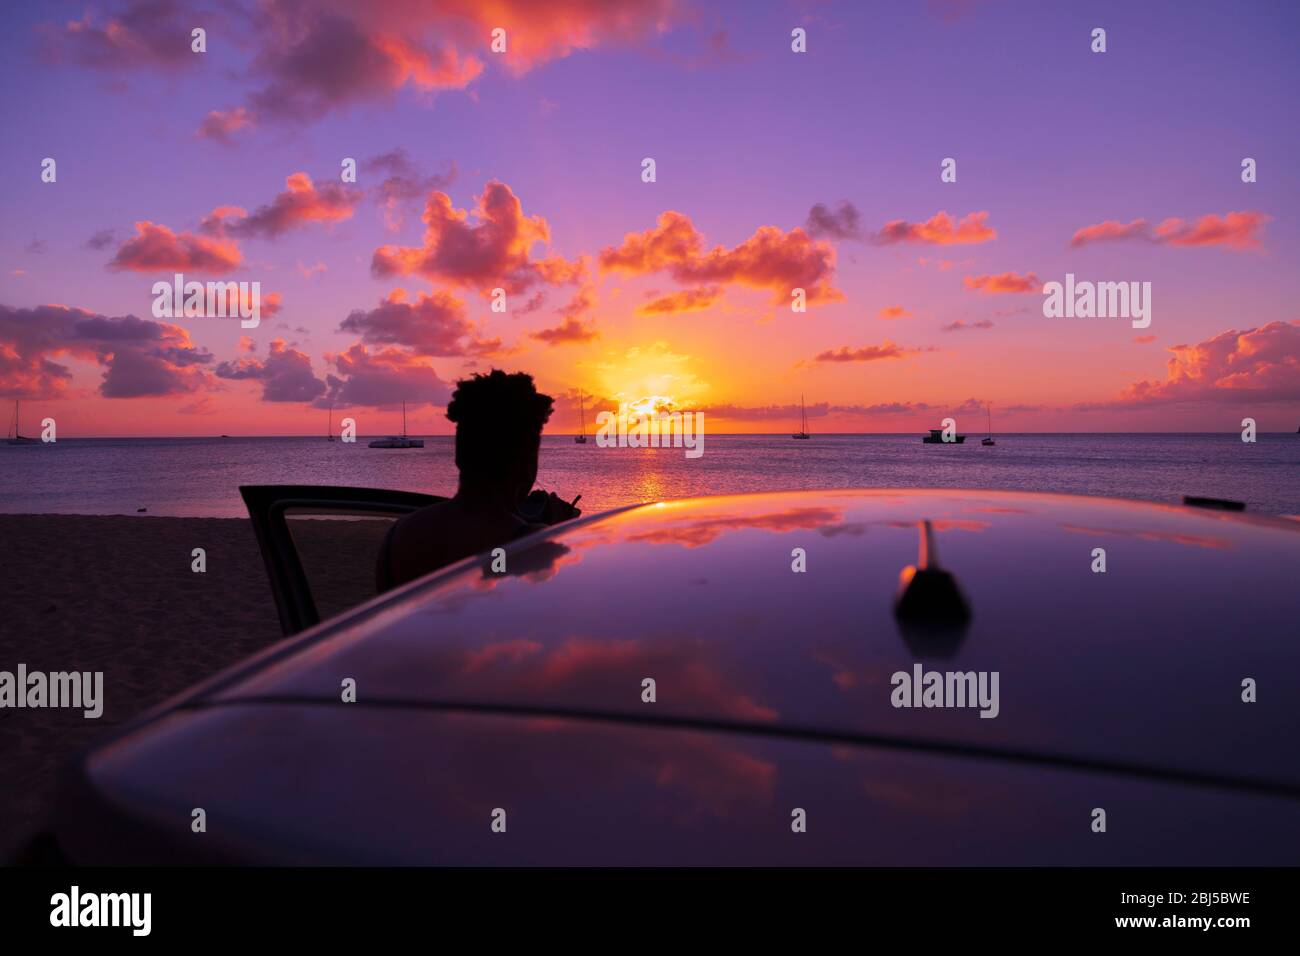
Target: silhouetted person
{"points": [[499, 420]]}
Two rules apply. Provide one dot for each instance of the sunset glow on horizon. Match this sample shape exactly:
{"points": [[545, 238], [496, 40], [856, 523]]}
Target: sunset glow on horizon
{"points": [[522, 172]]}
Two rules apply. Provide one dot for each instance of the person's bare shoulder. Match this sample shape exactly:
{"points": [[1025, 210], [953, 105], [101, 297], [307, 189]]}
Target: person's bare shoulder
{"points": [[444, 533]]}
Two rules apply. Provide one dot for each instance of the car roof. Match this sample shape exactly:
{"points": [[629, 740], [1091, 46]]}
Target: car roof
{"points": [[340, 784], [1137, 670]]}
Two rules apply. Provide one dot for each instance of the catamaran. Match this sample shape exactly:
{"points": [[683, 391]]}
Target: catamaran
{"points": [[803, 421], [581, 439], [989, 440], [936, 438], [18, 438], [396, 441]]}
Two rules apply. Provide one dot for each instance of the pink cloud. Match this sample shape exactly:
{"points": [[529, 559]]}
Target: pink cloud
{"points": [[769, 259], [1234, 230], [687, 300], [433, 324], [140, 357], [869, 353], [939, 230], [301, 203], [221, 125], [488, 248], [568, 332], [960, 326], [385, 377], [286, 374], [155, 248], [1257, 365], [143, 34], [1110, 231], [1237, 231]]}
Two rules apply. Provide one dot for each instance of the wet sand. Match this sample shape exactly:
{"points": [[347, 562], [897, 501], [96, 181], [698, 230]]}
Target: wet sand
{"points": [[116, 594]]}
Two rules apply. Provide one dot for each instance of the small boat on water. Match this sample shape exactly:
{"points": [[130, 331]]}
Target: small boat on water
{"points": [[936, 438], [329, 429], [802, 433], [989, 440], [17, 437], [398, 441], [582, 438]]}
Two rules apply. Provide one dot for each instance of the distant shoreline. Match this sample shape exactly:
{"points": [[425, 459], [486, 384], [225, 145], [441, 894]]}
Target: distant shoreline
{"points": [[781, 434]]}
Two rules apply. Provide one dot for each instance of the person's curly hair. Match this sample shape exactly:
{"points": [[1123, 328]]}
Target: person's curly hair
{"points": [[499, 418]]}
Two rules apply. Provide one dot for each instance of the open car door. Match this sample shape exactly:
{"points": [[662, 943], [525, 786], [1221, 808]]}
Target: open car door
{"points": [[320, 544]]}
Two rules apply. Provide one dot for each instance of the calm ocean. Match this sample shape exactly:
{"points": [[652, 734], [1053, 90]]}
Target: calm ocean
{"points": [[199, 476]]}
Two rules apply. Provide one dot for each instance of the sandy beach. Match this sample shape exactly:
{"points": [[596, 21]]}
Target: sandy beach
{"points": [[116, 594]]}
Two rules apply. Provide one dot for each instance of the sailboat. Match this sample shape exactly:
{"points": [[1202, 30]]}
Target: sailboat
{"points": [[18, 438], [582, 438], [329, 430], [394, 441], [803, 421], [989, 440]]}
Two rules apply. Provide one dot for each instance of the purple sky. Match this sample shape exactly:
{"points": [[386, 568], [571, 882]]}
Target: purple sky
{"points": [[1049, 137]]}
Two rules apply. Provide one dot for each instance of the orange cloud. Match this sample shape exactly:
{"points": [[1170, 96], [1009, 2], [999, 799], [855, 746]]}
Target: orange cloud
{"points": [[1238, 231], [540, 33], [893, 312], [687, 300], [568, 332], [154, 248], [1004, 282], [487, 249], [769, 259], [939, 230], [1257, 365], [311, 59], [869, 353]]}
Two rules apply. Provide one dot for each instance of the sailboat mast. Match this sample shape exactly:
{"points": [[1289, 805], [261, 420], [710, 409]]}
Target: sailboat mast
{"points": [[582, 411], [403, 418]]}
